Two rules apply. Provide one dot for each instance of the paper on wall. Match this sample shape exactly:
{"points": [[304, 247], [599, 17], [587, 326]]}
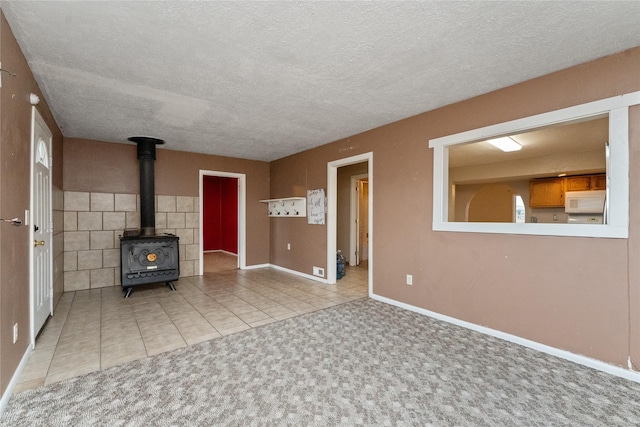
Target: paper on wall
{"points": [[315, 206]]}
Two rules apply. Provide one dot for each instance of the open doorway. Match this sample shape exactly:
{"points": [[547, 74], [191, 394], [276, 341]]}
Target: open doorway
{"points": [[359, 219], [339, 212], [352, 221], [222, 221]]}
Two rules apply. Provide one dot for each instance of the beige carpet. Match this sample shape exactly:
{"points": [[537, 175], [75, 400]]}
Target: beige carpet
{"points": [[360, 363]]}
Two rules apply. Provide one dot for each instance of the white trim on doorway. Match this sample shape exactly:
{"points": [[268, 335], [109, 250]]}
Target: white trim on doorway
{"points": [[332, 212], [242, 216]]}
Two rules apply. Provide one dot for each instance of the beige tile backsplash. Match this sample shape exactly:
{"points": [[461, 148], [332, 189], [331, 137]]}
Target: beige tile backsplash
{"points": [[76, 201], [93, 223], [102, 202], [125, 202]]}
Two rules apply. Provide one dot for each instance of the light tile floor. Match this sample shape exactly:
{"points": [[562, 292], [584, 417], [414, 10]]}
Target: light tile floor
{"points": [[97, 329]]}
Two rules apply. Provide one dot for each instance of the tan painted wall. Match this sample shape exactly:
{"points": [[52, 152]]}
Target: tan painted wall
{"points": [[292, 177], [493, 203], [15, 150], [566, 292], [102, 167], [465, 193]]}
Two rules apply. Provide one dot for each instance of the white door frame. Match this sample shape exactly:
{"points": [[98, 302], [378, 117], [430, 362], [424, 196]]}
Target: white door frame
{"points": [[332, 213], [36, 119], [353, 218], [242, 216]]}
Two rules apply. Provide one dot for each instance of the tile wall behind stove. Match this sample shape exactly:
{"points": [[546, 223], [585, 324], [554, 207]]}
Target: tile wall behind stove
{"points": [[93, 223]]}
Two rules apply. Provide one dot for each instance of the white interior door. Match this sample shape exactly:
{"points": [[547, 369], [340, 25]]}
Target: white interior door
{"points": [[41, 225]]}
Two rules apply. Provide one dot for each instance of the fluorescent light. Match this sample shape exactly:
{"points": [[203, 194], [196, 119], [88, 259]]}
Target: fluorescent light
{"points": [[505, 143]]}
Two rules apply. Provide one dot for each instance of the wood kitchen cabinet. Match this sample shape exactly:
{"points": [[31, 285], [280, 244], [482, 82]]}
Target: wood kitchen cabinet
{"points": [[586, 182], [577, 183], [598, 182], [546, 193], [549, 192]]}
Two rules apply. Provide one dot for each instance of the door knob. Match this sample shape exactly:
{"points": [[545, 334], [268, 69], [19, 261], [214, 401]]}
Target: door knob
{"points": [[38, 243]]}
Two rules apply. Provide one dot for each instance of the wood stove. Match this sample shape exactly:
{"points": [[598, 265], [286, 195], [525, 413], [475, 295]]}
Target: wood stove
{"points": [[147, 257]]}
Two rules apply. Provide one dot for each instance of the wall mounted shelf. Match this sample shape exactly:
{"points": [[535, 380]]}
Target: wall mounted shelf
{"points": [[287, 207]]}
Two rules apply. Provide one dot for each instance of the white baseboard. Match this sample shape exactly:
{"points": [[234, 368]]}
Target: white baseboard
{"points": [[255, 266], [14, 380], [563, 354], [219, 250], [287, 270]]}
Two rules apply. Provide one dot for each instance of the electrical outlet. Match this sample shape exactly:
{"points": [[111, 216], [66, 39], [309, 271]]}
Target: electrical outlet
{"points": [[409, 279], [318, 271], [288, 246], [15, 333]]}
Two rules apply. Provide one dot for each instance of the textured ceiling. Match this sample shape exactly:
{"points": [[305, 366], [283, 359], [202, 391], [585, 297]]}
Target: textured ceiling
{"points": [[262, 80]]}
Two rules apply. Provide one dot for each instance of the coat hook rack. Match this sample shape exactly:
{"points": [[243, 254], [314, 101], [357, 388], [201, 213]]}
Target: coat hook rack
{"points": [[8, 72], [287, 207]]}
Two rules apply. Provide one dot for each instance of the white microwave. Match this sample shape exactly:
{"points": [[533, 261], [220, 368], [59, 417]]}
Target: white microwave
{"points": [[584, 201]]}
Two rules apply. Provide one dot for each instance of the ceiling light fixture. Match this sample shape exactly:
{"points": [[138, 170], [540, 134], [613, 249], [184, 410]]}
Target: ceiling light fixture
{"points": [[505, 143]]}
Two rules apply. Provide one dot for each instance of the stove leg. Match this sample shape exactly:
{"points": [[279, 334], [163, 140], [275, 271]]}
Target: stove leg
{"points": [[127, 292], [170, 284]]}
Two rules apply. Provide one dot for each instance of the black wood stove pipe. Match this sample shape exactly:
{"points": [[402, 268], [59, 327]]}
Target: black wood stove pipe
{"points": [[147, 157]]}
